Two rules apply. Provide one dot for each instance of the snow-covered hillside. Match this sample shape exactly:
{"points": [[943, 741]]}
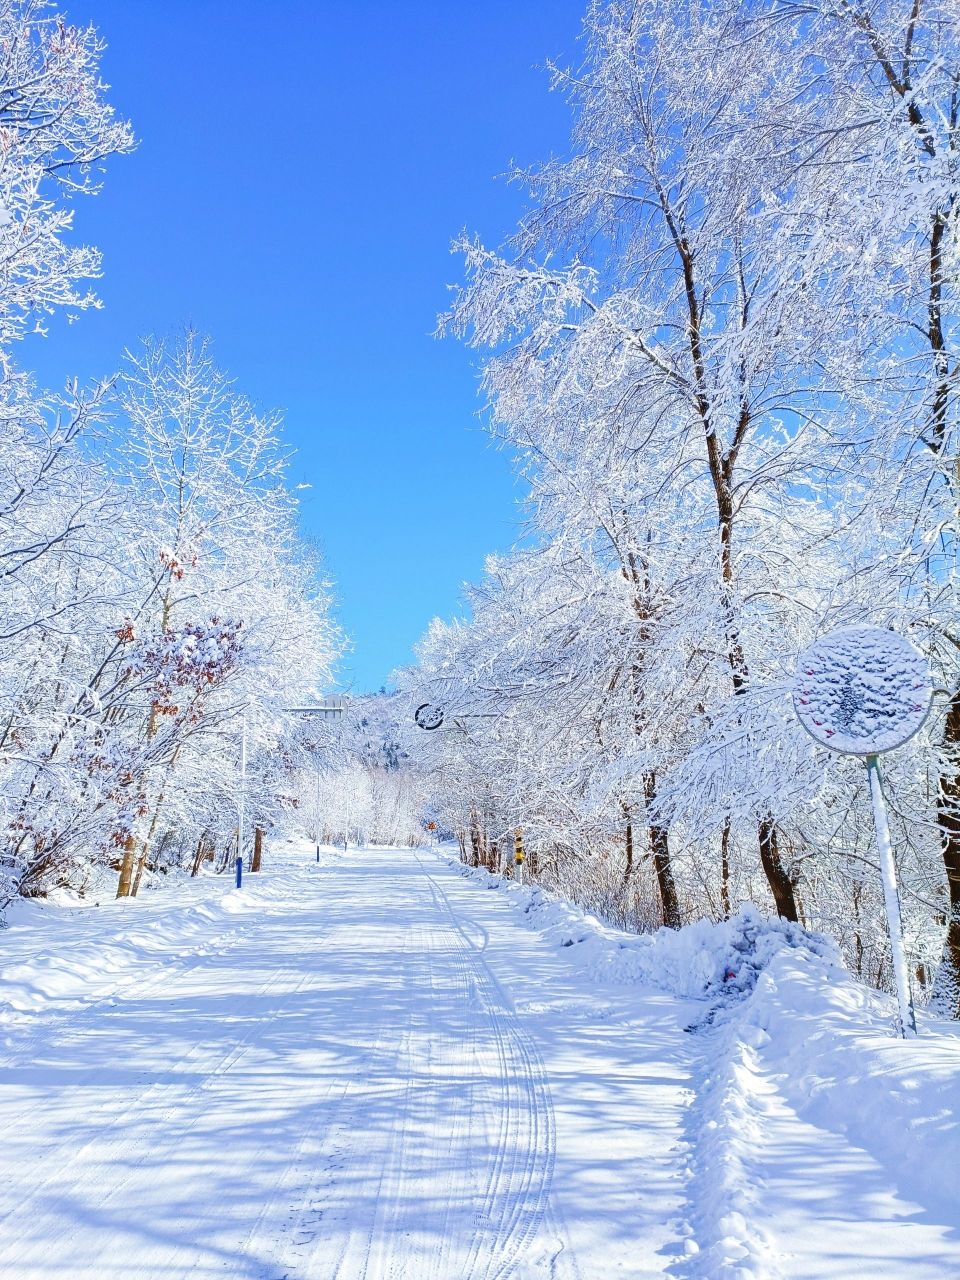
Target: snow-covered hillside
{"points": [[389, 1065]]}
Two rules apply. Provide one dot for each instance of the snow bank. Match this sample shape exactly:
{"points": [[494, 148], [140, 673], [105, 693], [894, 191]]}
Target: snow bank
{"points": [[809, 1074], [831, 1045], [54, 962], [795, 1056], [60, 956], [706, 959]]}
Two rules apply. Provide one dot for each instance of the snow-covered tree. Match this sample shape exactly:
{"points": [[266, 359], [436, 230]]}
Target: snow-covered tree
{"points": [[720, 350], [56, 130], [361, 784], [208, 623]]}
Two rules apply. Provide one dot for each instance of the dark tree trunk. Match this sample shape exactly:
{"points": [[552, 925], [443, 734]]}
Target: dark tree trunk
{"points": [[946, 997], [257, 862], [722, 461], [200, 857], [660, 848], [725, 869], [476, 847], [781, 886]]}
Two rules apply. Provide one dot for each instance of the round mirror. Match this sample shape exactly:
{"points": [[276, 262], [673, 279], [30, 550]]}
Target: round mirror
{"points": [[862, 690], [428, 716]]}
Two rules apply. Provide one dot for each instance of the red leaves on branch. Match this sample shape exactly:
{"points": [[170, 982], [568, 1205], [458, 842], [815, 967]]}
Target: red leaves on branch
{"points": [[191, 659], [177, 567]]}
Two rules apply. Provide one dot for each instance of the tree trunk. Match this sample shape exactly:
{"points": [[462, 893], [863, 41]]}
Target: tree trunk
{"points": [[946, 991], [722, 464], [781, 886], [628, 841], [127, 866], [257, 849], [199, 857], [138, 875], [660, 848], [475, 846], [725, 869], [142, 860]]}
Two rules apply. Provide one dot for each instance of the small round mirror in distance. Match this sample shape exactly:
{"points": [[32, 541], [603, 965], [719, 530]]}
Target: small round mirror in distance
{"points": [[428, 716]]}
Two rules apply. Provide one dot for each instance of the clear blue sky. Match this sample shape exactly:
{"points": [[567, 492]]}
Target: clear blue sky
{"points": [[301, 171]]}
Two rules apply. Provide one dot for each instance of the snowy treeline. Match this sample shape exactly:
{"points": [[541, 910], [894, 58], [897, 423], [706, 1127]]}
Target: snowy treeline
{"points": [[364, 787], [723, 347], [154, 594]]}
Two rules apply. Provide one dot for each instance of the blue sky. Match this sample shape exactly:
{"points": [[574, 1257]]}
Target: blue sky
{"points": [[302, 169]]}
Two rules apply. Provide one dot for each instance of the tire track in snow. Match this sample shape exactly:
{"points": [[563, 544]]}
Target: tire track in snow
{"points": [[371, 1246], [528, 1129], [450, 1178], [305, 1200], [320, 1231], [418, 1145], [397, 1175]]}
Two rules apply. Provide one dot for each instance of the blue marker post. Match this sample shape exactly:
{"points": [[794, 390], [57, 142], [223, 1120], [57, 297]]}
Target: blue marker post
{"points": [[239, 872]]}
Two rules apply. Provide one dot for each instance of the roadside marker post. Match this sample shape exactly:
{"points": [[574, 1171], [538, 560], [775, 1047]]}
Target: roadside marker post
{"points": [[518, 854], [239, 871], [862, 691]]}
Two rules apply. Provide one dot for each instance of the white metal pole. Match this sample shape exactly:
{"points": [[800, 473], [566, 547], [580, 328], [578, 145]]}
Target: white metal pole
{"points": [[888, 871], [318, 812], [241, 818]]}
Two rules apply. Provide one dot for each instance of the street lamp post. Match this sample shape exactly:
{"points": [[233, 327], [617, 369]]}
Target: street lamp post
{"points": [[329, 709], [242, 805]]}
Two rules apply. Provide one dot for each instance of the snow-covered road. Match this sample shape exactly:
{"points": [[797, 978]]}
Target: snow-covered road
{"points": [[372, 1069], [343, 1087]]}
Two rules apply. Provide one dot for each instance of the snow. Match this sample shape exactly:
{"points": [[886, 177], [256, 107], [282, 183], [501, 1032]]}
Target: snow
{"points": [[820, 1144], [703, 959], [387, 1065]]}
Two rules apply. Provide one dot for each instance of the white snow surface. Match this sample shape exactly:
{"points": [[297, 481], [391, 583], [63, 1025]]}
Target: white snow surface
{"points": [[388, 1066]]}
